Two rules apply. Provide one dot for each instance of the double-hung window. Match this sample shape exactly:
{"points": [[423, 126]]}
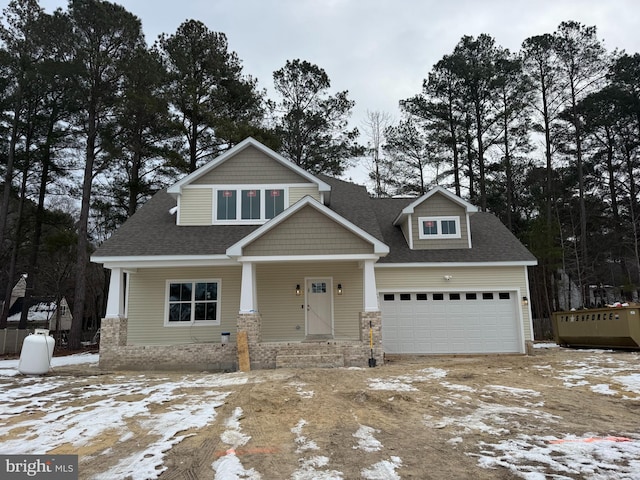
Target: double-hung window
{"points": [[249, 205], [438, 227], [193, 302]]}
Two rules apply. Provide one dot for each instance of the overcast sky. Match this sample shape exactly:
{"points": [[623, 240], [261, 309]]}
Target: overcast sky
{"points": [[379, 50]]}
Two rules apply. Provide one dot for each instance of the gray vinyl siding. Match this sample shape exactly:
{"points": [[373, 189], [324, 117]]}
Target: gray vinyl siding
{"points": [[481, 278], [297, 193], [147, 303], [250, 166], [308, 232], [196, 206], [439, 206], [283, 313]]}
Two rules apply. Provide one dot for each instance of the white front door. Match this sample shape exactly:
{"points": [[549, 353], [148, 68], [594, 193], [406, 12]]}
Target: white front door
{"points": [[319, 306]]}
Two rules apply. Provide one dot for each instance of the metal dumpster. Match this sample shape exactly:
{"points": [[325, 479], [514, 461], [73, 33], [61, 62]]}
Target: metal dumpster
{"points": [[611, 327]]}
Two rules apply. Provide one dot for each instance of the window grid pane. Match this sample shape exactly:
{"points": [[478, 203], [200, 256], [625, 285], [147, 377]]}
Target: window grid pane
{"points": [[201, 298], [251, 204], [430, 227], [227, 204], [448, 227], [274, 203]]}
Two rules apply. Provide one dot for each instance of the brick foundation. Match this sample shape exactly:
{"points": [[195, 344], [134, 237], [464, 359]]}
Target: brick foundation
{"points": [[116, 354]]}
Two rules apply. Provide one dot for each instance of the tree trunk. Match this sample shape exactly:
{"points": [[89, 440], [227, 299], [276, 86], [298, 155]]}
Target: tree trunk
{"points": [[75, 336]]}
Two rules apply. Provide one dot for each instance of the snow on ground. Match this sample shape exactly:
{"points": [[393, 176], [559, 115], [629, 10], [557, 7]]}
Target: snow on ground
{"points": [[9, 368], [229, 465], [81, 414], [589, 457]]}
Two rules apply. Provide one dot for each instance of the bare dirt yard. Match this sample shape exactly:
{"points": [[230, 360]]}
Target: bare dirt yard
{"points": [[560, 413]]}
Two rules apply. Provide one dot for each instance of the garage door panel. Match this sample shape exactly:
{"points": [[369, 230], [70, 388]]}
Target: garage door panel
{"points": [[462, 322]]}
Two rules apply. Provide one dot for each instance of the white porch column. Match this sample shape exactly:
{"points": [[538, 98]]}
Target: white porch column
{"points": [[115, 300], [248, 291], [370, 289]]}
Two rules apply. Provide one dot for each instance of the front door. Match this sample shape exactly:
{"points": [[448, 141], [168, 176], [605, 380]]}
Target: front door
{"points": [[319, 311]]}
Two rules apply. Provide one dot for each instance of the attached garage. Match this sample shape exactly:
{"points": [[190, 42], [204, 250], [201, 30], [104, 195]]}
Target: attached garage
{"points": [[451, 322]]}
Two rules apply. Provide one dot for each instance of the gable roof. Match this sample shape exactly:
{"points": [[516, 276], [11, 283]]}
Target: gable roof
{"points": [[379, 248], [493, 242], [152, 235], [409, 209], [176, 188]]}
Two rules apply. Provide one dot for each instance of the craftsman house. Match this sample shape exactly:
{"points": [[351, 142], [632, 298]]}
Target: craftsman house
{"points": [[311, 268]]}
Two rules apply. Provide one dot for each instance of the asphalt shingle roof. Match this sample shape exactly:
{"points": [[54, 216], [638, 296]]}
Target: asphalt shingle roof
{"points": [[153, 231]]}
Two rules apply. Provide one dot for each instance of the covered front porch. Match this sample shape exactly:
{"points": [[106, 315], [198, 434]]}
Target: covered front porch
{"points": [[301, 313]]}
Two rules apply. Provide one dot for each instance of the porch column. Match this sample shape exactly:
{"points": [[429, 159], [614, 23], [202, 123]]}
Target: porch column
{"points": [[370, 289], [248, 291], [115, 300]]}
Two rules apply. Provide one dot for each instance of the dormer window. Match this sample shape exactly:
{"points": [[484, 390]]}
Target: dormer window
{"points": [[249, 205], [439, 227]]}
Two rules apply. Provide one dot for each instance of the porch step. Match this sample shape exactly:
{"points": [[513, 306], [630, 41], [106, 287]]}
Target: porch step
{"points": [[323, 360]]}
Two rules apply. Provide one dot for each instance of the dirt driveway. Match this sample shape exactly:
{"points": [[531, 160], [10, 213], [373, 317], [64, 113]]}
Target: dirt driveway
{"points": [[559, 413]]}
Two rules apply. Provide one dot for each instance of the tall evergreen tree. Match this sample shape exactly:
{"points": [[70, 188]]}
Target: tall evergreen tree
{"points": [[105, 36], [212, 101], [582, 65], [312, 124]]}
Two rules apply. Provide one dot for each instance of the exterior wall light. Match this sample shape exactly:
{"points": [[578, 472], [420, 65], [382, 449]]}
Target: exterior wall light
{"points": [[525, 301], [448, 277], [339, 289], [297, 290]]}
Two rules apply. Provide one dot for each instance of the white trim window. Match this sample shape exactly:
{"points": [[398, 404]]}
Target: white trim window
{"points": [[249, 204], [192, 302], [438, 227]]}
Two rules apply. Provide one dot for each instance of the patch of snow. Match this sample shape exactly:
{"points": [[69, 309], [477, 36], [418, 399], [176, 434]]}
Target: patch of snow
{"points": [[630, 382], [309, 470], [545, 345], [299, 390], [229, 467], [393, 385], [603, 389], [366, 440], [511, 391], [232, 435], [9, 368], [124, 408], [403, 383], [535, 457], [384, 470], [457, 387], [434, 373], [493, 419], [301, 440]]}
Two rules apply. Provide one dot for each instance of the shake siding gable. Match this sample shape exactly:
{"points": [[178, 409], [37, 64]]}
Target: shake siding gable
{"points": [[196, 206], [249, 167], [147, 291], [439, 206], [308, 232]]}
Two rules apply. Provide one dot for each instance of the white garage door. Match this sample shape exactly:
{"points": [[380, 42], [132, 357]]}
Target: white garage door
{"points": [[450, 322]]}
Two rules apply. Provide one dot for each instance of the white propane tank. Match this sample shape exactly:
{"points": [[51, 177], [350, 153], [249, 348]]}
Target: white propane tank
{"points": [[36, 353]]}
